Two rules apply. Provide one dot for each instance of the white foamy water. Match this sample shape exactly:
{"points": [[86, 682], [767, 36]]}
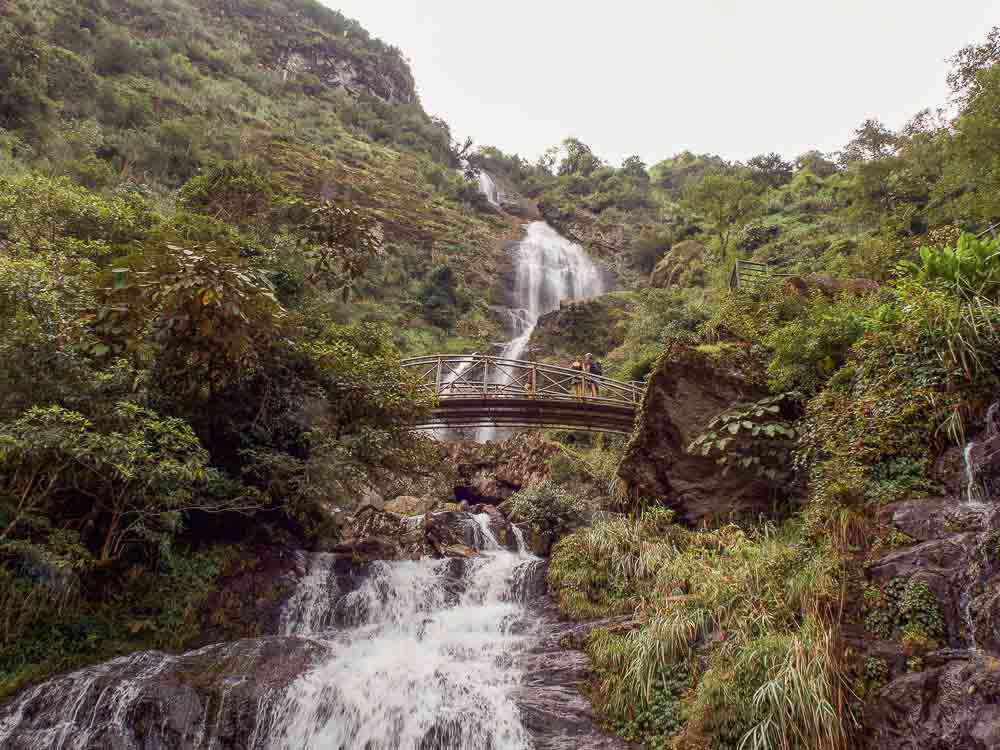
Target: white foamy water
{"points": [[489, 188], [548, 268], [420, 655], [429, 662]]}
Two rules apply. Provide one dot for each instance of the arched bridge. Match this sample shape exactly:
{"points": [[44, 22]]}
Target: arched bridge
{"points": [[476, 390]]}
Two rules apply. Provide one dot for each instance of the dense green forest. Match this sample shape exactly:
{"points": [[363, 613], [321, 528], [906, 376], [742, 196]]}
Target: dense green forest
{"points": [[223, 222]]}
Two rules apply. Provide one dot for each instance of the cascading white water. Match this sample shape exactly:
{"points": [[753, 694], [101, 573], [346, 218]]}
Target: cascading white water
{"points": [[489, 188], [428, 663], [548, 268]]}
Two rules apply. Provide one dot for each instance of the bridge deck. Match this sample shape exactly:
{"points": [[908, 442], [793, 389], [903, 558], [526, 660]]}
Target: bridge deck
{"points": [[477, 390]]}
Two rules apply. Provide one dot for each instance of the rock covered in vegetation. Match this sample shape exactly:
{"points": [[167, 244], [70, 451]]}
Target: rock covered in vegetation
{"points": [[683, 265], [686, 389], [595, 325], [932, 617], [829, 285]]}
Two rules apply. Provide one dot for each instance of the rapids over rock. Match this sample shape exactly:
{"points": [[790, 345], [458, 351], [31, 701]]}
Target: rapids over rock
{"points": [[427, 654]]}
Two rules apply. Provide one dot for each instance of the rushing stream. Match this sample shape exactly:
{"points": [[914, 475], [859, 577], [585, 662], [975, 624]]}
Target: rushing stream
{"points": [[416, 655], [427, 663]]}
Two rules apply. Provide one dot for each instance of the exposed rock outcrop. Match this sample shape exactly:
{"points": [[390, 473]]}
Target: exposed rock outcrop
{"points": [[553, 708], [932, 615], [595, 325], [686, 389], [954, 705], [493, 472]]}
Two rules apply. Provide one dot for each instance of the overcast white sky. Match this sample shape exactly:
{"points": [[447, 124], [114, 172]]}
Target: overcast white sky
{"points": [[654, 77]]}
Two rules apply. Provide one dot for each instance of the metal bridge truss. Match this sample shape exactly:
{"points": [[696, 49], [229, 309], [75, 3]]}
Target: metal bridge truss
{"points": [[477, 390]]}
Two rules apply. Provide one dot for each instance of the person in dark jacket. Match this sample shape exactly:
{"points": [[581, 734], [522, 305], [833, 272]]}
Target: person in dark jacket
{"points": [[593, 367]]}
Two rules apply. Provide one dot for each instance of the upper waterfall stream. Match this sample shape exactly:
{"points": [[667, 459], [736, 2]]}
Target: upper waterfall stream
{"points": [[548, 269]]}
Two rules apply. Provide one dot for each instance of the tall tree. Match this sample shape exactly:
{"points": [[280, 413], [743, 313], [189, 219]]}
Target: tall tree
{"points": [[579, 159], [727, 201], [872, 141], [770, 170], [969, 62]]}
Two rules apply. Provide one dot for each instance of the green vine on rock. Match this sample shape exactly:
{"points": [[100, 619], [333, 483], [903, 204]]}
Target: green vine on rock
{"points": [[758, 437]]}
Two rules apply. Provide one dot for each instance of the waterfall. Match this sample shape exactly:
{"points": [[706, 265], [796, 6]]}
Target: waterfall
{"points": [[402, 655], [427, 662], [548, 268], [489, 188]]}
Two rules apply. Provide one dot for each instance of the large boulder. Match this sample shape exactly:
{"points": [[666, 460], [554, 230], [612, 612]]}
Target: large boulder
{"points": [[829, 285], [595, 325], [372, 534], [407, 505], [686, 389]]}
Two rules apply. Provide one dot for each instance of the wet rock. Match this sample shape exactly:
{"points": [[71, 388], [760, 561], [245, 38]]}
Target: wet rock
{"points": [[933, 518], [372, 534], [218, 696], [249, 601], [951, 706], [553, 707], [984, 613], [538, 542], [451, 534], [685, 391], [491, 473]]}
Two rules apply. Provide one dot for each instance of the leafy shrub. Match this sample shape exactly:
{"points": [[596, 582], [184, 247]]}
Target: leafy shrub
{"points": [[758, 437], [809, 348], [970, 269], [116, 53], [547, 507], [23, 70]]}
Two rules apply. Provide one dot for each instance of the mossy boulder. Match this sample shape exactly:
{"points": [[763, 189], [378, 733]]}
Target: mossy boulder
{"points": [[595, 325], [686, 389]]}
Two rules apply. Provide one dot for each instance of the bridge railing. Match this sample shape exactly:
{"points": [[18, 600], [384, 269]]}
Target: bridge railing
{"points": [[478, 376]]}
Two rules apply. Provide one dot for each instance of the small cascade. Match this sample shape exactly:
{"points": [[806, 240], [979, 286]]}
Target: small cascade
{"points": [[489, 188], [310, 609], [428, 661], [401, 655], [548, 269]]}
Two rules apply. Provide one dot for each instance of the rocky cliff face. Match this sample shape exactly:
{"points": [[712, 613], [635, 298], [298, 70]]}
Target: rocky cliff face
{"points": [[686, 389], [294, 41], [931, 615]]}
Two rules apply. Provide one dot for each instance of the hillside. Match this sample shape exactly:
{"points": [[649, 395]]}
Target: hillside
{"points": [[224, 223], [142, 97]]}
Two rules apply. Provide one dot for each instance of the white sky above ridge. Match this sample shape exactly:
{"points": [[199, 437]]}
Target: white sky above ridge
{"points": [[732, 77]]}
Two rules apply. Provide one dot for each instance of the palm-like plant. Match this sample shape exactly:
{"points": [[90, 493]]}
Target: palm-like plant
{"points": [[970, 269]]}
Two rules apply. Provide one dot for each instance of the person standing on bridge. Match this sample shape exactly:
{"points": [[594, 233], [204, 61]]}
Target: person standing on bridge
{"points": [[577, 389], [593, 367]]}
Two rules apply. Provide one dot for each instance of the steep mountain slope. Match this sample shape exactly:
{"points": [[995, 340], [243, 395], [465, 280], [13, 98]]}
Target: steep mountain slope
{"points": [[144, 95]]}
